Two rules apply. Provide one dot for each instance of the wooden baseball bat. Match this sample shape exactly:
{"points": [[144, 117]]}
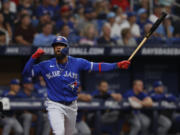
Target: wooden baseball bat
{"points": [[154, 27]]}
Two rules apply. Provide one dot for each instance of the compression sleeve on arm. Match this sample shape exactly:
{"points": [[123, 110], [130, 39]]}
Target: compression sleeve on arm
{"points": [[92, 66], [31, 69], [102, 67]]}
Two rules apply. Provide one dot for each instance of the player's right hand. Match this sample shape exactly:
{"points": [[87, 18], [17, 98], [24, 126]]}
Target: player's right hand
{"points": [[38, 53], [123, 64]]}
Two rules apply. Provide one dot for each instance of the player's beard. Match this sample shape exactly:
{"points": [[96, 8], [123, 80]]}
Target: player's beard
{"points": [[60, 56]]}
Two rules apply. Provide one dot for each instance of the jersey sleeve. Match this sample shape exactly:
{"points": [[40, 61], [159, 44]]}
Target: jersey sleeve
{"points": [[98, 67], [143, 95], [85, 65], [94, 93], [154, 97], [31, 69], [126, 95], [170, 97], [36, 70]]}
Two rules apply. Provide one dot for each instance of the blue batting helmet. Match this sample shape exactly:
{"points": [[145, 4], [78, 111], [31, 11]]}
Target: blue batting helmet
{"points": [[60, 40], [27, 80], [15, 81]]}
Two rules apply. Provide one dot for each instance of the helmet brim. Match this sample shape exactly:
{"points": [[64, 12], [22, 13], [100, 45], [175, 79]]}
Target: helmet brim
{"points": [[60, 44]]}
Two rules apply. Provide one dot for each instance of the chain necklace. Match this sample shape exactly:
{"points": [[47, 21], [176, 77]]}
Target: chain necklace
{"points": [[61, 69]]}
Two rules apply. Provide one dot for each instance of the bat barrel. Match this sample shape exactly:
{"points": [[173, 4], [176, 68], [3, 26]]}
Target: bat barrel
{"points": [[154, 27], [156, 24]]}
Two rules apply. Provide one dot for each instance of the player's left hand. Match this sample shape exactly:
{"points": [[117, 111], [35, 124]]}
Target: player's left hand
{"points": [[123, 64], [116, 96], [38, 53]]}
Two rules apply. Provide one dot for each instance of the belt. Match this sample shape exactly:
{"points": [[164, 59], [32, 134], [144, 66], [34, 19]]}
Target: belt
{"points": [[65, 103]]}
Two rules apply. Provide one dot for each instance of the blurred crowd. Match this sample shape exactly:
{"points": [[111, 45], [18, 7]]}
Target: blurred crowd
{"points": [[87, 22], [131, 121]]}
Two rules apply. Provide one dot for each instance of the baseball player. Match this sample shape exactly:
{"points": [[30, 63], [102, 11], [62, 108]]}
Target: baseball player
{"points": [[62, 78], [164, 119], [10, 120], [82, 127], [28, 116], [139, 121]]}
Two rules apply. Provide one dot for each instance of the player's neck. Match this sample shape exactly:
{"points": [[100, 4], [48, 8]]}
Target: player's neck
{"points": [[62, 61], [136, 92]]}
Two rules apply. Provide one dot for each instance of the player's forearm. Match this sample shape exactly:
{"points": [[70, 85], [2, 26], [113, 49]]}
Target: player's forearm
{"points": [[171, 98], [84, 97], [102, 67], [147, 102], [27, 71]]}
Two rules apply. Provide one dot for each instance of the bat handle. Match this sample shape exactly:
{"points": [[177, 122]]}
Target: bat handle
{"points": [[137, 49]]}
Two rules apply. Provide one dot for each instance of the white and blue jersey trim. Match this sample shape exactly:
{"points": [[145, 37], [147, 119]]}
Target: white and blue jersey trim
{"points": [[32, 73], [91, 68]]}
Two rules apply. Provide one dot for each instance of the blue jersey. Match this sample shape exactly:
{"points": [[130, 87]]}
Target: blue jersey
{"points": [[63, 79], [140, 96], [23, 95], [6, 94], [131, 93], [40, 90], [163, 96], [97, 94]]}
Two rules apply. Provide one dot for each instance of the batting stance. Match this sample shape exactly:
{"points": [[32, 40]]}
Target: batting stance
{"points": [[62, 77]]}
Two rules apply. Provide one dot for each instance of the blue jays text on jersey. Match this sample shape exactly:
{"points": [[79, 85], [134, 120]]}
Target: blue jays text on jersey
{"points": [[58, 73], [63, 79]]}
